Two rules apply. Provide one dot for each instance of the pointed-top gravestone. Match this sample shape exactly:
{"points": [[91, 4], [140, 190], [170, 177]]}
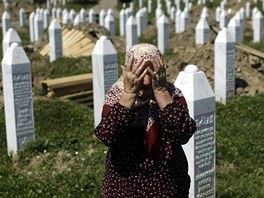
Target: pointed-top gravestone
{"points": [[38, 27], [202, 31], [131, 32], [248, 9], [122, 22], [105, 73], [46, 19], [83, 15], [77, 20], [92, 16], [110, 23], [234, 29], [178, 21], [240, 35], [140, 22], [102, 15], [22, 17], [204, 13], [217, 14], [258, 27], [6, 22], [18, 102], [224, 66], [149, 6], [163, 35], [55, 40], [66, 19], [59, 14], [72, 14], [172, 13], [200, 150], [32, 26], [10, 37], [223, 20], [54, 13]]}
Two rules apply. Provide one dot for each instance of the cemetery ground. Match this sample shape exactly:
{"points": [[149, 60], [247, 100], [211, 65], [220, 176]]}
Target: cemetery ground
{"points": [[66, 159]]}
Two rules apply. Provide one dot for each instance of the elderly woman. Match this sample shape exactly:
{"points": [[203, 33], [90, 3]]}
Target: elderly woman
{"points": [[144, 123]]}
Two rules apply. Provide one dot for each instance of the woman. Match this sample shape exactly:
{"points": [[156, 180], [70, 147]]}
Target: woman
{"points": [[145, 121]]}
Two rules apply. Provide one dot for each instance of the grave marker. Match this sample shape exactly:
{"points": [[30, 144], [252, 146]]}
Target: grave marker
{"points": [[122, 22], [105, 73], [140, 22], [32, 26], [92, 16], [38, 27], [17, 91], [131, 32], [234, 29], [223, 20], [202, 31], [163, 35], [55, 40], [6, 22], [46, 18], [10, 37], [258, 27], [102, 15], [22, 17], [200, 150], [224, 66], [110, 23]]}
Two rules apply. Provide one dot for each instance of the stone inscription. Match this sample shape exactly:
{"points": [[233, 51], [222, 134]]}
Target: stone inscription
{"points": [[58, 43], [204, 143], [23, 106], [230, 74], [110, 75]]}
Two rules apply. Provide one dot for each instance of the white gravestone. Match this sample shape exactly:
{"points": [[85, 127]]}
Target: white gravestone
{"points": [[223, 20], [55, 40], [59, 14], [224, 66], [254, 11], [6, 22], [32, 26], [105, 73], [234, 29], [149, 6], [183, 21], [72, 15], [110, 23], [122, 22], [17, 91], [217, 14], [258, 29], [202, 31], [172, 13], [200, 150], [248, 9], [158, 13], [46, 19], [83, 15], [240, 37], [140, 22], [242, 18], [92, 16], [48, 5], [178, 21], [38, 27], [163, 35], [10, 37], [102, 15], [131, 32], [22, 17], [54, 13]]}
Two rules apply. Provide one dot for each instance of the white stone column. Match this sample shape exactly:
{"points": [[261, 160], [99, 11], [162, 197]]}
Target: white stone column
{"points": [[258, 28], [178, 21], [92, 16], [200, 150], [110, 23], [131, 32], [163, 35], [59, 14], [205, 13], [22, 17], [102, 15], [83, 15], [17, 91], [46, 21], [122, 22], [223, 20], [72, 15], [254, 12], [224, 66], [140, 22], [10, 37], [105, 73], [55, 40], [38, 27], [217, 14], [149, 6], [248, 9], [240, 37], [202, 32], [32, 26], [172, 13], [6, 22], [234, 29]]}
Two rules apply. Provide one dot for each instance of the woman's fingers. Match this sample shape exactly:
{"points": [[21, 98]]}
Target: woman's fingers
{"points": [[129, 63]]}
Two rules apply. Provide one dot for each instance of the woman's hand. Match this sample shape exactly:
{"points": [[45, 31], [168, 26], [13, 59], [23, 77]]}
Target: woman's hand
{"points": [[159, 79], [133, 76]]}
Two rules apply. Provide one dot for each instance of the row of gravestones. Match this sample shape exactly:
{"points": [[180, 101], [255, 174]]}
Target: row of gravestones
{"points": [[133, 28], [17, 89]]}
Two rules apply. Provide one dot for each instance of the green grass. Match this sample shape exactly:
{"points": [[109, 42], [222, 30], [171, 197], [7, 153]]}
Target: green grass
{"points": [[66, 159]]}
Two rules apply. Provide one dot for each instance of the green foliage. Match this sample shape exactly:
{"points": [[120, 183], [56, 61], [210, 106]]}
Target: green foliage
{"points": [[65, 160], [240, 152]]}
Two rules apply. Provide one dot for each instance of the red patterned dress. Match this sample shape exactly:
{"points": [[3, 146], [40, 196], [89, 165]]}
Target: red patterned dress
{"points": [[145, 156]]}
